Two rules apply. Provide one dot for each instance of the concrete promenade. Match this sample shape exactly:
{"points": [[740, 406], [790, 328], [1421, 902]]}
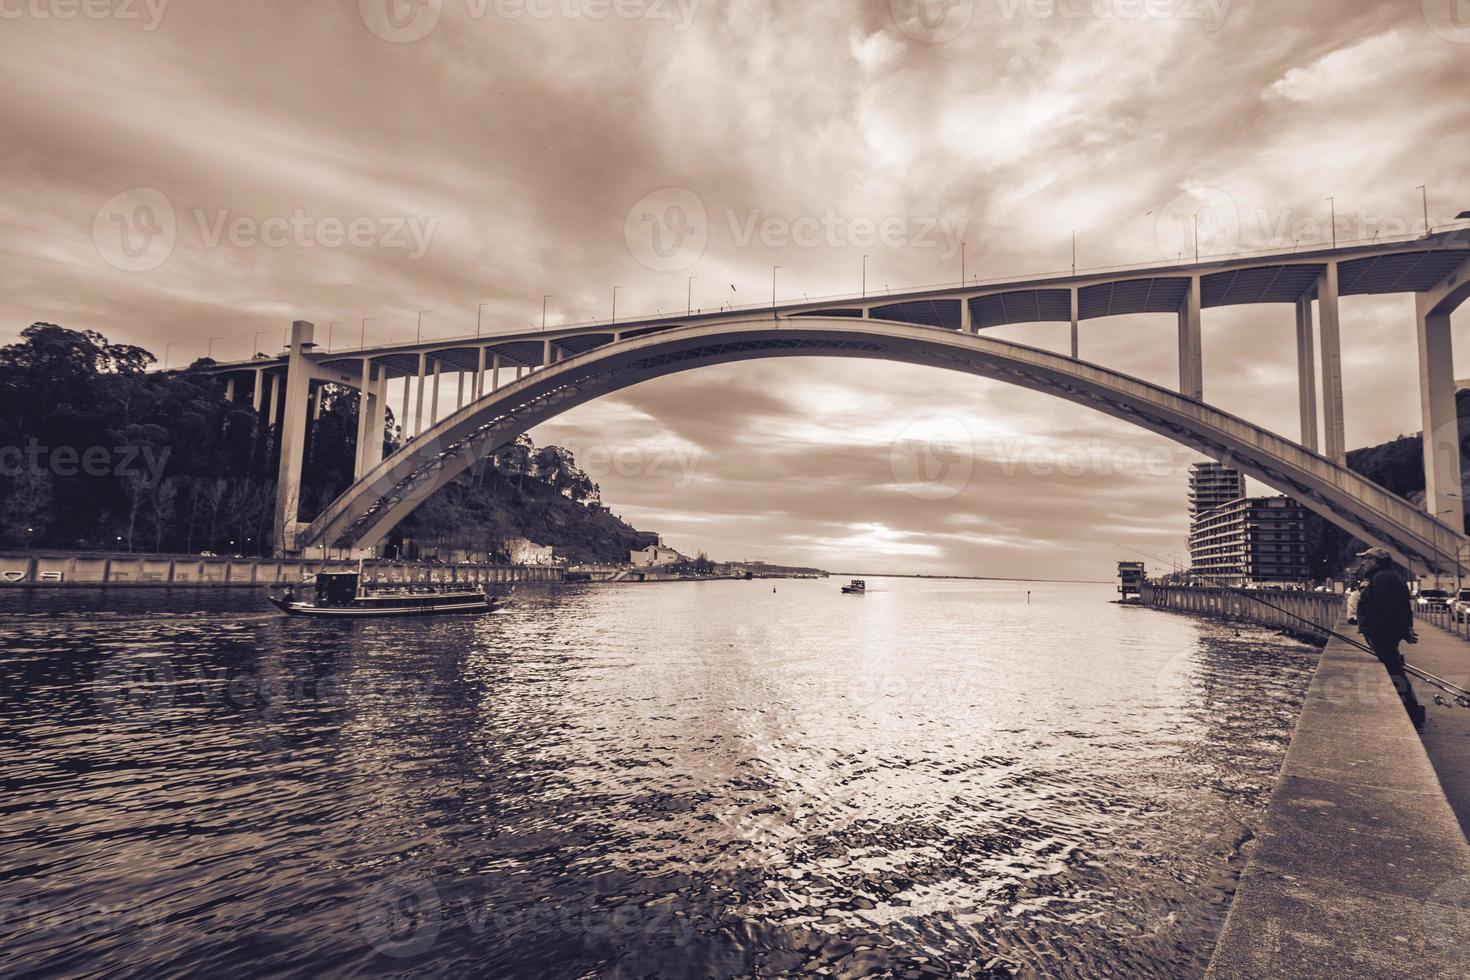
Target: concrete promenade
{"points": [[1361, 868], [1447, 734]]}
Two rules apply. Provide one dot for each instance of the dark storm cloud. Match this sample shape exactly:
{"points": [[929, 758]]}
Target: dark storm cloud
{"points": [[513, 147]]}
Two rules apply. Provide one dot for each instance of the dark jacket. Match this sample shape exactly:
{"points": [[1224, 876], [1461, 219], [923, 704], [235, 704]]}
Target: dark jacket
{"points": [[1384, 612]]}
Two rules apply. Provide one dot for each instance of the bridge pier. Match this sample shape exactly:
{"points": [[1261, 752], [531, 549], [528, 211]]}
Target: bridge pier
{"points": [[1075, 348], [293, 435], [1330, 334], [1306, 372], [1191, 344], [1443, 456]]}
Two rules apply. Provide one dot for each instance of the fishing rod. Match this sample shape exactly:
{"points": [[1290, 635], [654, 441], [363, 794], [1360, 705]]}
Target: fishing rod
{"points": [[1461, 696]]}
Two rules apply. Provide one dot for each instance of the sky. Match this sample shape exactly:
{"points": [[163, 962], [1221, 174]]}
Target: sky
{"points": [[353, 159]]}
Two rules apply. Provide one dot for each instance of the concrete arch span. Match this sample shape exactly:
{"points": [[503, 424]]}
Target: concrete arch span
{"points": [[367, 511]]}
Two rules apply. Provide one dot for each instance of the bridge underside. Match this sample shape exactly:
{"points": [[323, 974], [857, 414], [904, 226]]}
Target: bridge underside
{"points": [[372, 507]]}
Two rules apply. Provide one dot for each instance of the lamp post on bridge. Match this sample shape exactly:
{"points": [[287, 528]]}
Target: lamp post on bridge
{"points": [[479, 318], [1332, 203], [166, 349], [615, 304], [865, 276], [1423, 189], [255, 344], [419, 335], [689, 297], [209, 350], [362, 338], [543, 309], [773, 292], [330, 326]]}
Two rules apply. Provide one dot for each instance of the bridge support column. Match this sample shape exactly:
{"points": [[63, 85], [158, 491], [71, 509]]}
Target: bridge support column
{"points": [[1306, 372], [1331, 340], [1443, 497], [1191, 346], [293, 436], [378, 421], [1075, 347], [479, 386], [368, 406], [404, 432], [229, 389], [272, 400], [434, 398], [256, 392], [495, 374], [546, 353], [965, 325], [418, 402], [459, 390]]}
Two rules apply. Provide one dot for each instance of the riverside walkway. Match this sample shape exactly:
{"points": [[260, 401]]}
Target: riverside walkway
{"points": [[1361, 868], [1446, 737]]}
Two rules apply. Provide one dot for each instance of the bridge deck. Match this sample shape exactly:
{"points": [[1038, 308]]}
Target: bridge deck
{"points": [[1361, 868]]}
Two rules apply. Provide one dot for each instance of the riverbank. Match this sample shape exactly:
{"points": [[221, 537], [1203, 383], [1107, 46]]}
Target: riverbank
{"points": [[1360, 868], [64, 569]]}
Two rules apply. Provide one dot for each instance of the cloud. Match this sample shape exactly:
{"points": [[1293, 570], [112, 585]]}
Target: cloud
{"points": [[526, 141]]}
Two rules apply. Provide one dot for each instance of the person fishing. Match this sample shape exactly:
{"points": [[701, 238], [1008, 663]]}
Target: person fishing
{"points": [[1386, 618]]}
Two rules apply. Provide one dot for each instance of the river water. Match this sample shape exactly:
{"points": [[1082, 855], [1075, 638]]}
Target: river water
{"points": [[706, 779]]}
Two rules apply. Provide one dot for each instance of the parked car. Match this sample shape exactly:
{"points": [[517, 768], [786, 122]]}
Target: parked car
{"points": [[1432, 599], [1461, 606]]}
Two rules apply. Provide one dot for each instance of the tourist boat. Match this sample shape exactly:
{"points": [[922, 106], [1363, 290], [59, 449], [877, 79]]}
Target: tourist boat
{"points": [[856, 587], [343, 595]]}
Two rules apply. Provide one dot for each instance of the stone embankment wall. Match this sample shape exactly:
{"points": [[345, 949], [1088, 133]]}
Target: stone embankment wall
{"points": [[1294, 609], [61, 569]]}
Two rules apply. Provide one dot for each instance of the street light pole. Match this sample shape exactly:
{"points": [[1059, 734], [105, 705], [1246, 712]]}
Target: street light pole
{"points": [[210, 350], [773, 291], [255, 344], [419, 337], [543, 309], [329, 335], [865, 276], [1333, 202], [1424, 190], [362, 339], [166, 349], [615, 304], [689, 297], [479, 318]]}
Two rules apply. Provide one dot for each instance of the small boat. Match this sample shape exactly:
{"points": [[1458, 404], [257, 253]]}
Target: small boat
{"points": [[343, 595], [856, 587]]}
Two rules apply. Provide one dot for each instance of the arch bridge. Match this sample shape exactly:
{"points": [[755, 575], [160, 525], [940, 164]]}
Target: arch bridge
{"points": [[507, 384]]}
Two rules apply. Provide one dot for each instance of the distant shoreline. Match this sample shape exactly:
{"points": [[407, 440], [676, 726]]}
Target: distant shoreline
{"points": [[972, 578]]}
